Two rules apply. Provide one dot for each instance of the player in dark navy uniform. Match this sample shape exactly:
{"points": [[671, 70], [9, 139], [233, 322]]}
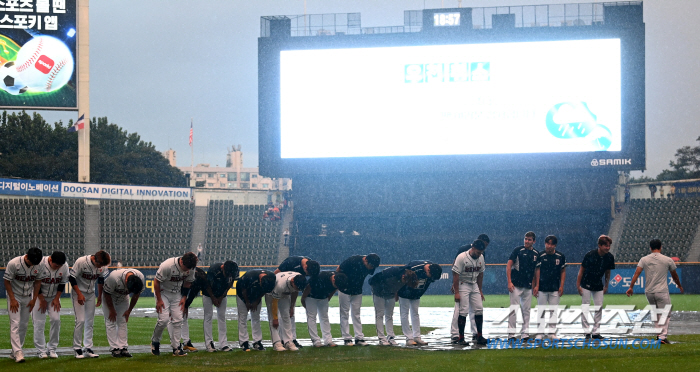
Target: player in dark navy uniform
{"points": [[350, 298], [385, 287], [551, 271], [596, 264], [319, 290], [520, 271], [304, 266], [409, 299], [250, 289]]}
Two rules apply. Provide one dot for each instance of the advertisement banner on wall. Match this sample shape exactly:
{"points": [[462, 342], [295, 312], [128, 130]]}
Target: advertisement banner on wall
{"points": [[98, 191], [30, 187], [686, 189], [38, 54], [620, 280]]}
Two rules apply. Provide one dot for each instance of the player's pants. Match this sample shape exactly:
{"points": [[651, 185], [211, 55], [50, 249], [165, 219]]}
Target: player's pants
{"points": [[315, 306], [274, 332], [523, 297], [117, 332], [19, 322], [454, 329], [586, 312], [184, 329], [39, 320], [384, 315], [350, 303], [221, 321], [547, 299], [243, 322], [293, 322], [170, 313], [84, 320], [410, 330], [660, 300], [287, 328]]}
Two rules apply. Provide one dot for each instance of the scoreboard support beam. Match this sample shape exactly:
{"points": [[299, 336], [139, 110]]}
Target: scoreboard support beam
{"points": [[83, 76]]}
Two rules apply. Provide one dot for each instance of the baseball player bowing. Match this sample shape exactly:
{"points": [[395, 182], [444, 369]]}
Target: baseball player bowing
{"points": [[53, 284], [385, 287], [250, 289], [220, 277], [171, 287], [118, 285], [87, 271], [468, 276], [22, 288], [318, 292], [280, 306], [304, 266], [409, 299], [200, 284]]}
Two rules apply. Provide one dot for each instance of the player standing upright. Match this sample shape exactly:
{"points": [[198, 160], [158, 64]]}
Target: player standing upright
{"points": [[467, 278], [87, 271], [220, 277], [596, 264], [656, 266], [304, 266], [118, 285], [520, 271], [356, 268], [551, 271], [171, 287], [250, 289], [22, 287], [53, 284], [409, 299]]}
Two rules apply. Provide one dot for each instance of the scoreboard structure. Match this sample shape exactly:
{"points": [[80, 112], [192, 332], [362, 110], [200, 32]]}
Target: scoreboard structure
{"points": [[454, 90]]}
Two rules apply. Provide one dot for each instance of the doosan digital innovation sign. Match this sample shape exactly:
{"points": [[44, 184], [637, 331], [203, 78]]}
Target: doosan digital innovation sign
{"points": [[38, 59]]}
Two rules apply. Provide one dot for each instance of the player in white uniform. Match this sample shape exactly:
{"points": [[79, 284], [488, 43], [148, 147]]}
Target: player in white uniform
{"points": [[118, 285], [53, 284], [171, 287], [87, 271], [22, 287], [467, 277], [657, 266], [279, 305]]}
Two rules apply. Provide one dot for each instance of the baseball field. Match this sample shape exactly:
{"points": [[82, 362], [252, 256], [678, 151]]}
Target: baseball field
{"points": [[682, 355]]}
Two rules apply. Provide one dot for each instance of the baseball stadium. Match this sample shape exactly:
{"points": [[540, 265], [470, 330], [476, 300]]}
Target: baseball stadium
{"points": [[461, 200]]}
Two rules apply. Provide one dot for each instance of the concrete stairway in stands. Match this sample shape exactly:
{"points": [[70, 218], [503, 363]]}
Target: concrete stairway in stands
{"points": [[694, 251], [199, 228], [616, 227]]}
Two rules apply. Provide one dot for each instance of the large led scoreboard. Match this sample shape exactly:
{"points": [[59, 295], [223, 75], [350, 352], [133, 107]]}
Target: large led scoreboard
{"points": [[453, 98]]}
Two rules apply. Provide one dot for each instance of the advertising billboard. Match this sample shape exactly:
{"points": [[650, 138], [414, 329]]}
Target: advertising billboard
{"points": [[38, 54]]}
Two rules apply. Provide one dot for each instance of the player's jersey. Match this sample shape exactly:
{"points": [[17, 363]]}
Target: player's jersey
{"points": [[86, 273], [115, 284], [468, 268], [22, 276], [551, 266], [283, 284], [523, 270], [171, 276], [424, 281], [50, 278], [293, 263]]}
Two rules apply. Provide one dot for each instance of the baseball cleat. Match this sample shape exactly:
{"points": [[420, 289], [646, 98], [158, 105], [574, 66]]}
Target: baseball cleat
{"points": [[258, 346], [318, 344], [392, 342], [480, 340], [226, 348], [155, 348], [331, 344], [211, 348], [245, 346], [53, 355], [348, 343], [91, 354], [361, 342], [42, 355], [664, 341], [116, 353], [79, 354], [278, 346], [179, 352], [455, 340], [188, 347], [588, 336], [297, 344], [289, 345], [462, 342], [420, 342], [125, 353], [411, 343], [598, 337], [384, 343], [19, 356]]}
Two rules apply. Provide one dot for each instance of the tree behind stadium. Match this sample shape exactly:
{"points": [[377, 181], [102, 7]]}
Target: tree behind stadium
{"points": [[33, 149]]}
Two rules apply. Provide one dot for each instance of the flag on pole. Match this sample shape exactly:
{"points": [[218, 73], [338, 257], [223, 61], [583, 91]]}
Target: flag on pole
{"points": [[80, 124], [190, 133]]}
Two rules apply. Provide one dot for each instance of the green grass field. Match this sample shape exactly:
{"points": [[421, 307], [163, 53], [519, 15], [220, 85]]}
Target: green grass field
{"points": [[680, 302]]}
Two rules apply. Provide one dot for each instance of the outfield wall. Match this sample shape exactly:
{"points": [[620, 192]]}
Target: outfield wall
{"points": [[495, 280]]}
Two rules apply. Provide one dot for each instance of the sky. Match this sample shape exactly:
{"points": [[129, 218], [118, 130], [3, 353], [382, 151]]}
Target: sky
{"points": [[157, 64]]}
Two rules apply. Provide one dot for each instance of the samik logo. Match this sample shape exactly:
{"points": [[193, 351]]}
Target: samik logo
{"points": [[602, 162], [44, 64]]}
